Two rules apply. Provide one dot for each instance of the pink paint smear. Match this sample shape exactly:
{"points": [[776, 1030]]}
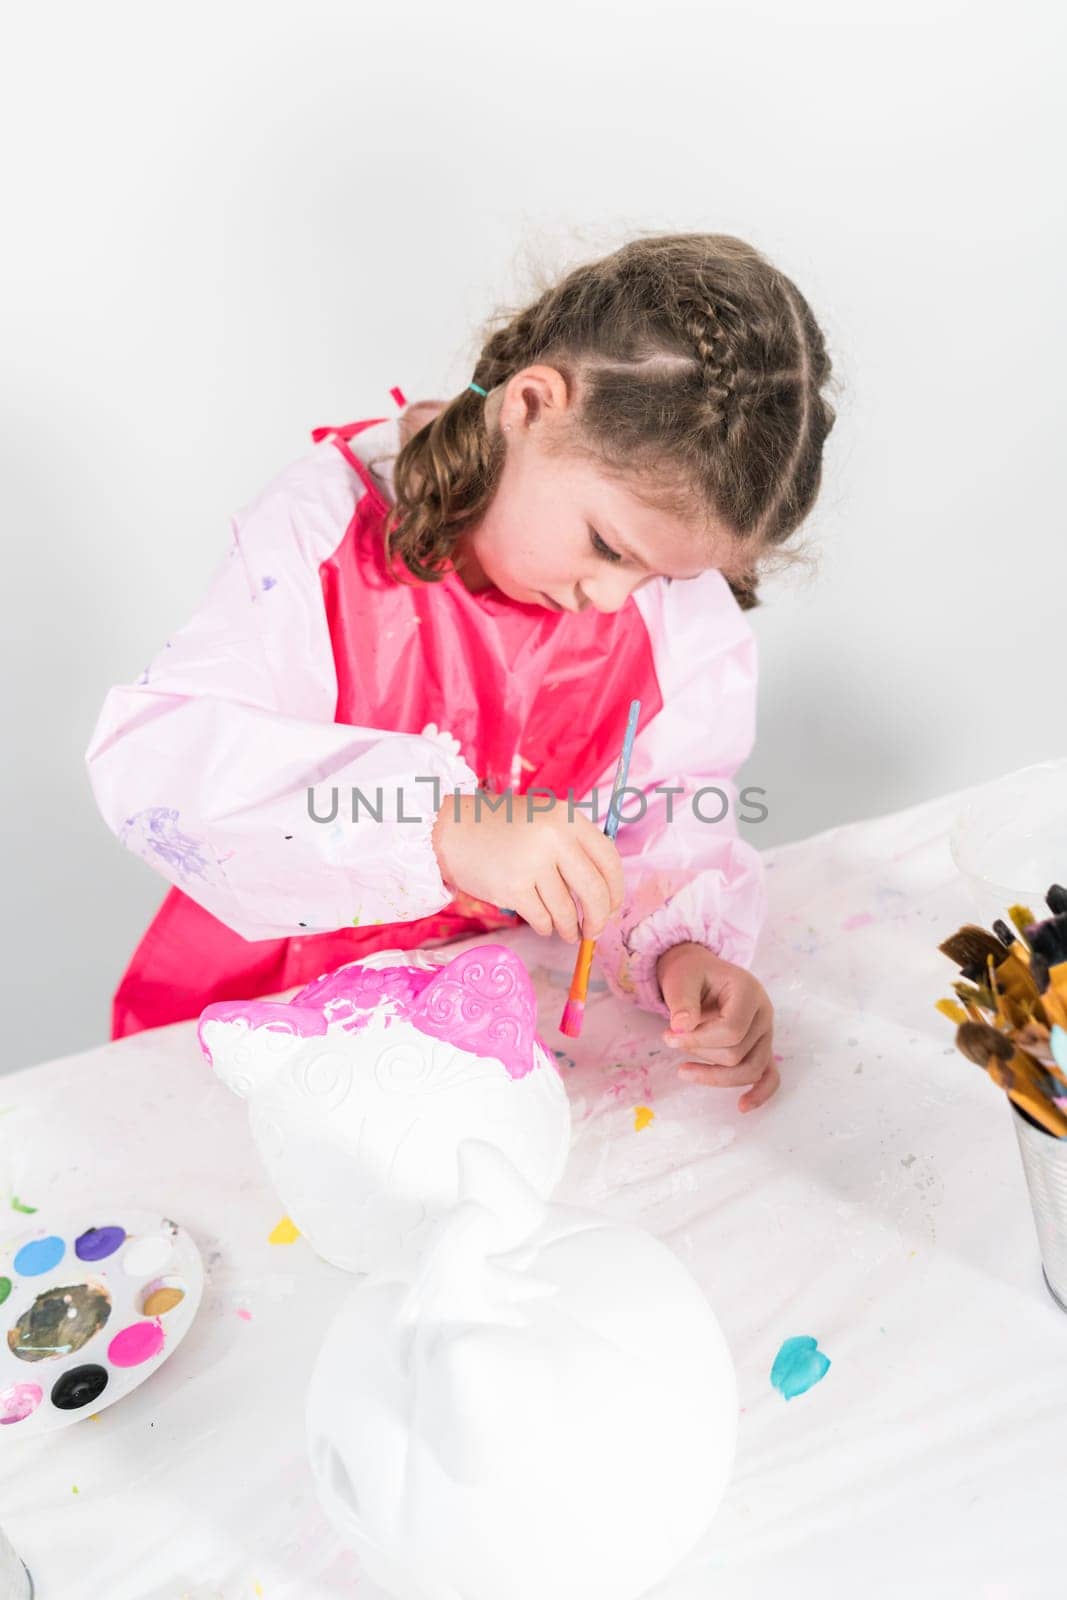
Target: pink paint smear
{"points": [[481, 1002]]}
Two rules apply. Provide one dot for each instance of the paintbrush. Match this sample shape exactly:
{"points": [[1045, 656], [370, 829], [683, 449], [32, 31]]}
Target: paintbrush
{"points": [[1014, 1071], [1012, 1006], [574, 1010]]}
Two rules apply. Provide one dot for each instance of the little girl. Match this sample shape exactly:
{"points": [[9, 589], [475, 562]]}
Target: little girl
{"points": [[429, 612]]}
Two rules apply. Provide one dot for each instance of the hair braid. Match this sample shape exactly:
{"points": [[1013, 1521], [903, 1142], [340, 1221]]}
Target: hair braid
{"points": [[697, 369]]}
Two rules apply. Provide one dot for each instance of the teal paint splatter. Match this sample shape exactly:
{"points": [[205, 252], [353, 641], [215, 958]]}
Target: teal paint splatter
{"points": [[798, 1364]]}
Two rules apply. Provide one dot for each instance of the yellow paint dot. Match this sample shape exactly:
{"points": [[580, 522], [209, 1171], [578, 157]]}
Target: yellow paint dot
{"points": [[74, 1488], [259, 1588], [286, 1232], [642, 1117]]}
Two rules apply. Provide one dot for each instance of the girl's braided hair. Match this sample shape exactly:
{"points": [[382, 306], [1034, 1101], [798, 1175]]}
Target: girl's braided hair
{"points": [[697, 368]]}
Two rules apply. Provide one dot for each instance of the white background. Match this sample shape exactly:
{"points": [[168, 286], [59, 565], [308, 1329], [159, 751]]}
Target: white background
{"points": [[227, 225]]}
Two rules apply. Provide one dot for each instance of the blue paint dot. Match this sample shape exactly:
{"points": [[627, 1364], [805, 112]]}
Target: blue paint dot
{"points": [[40, 1255], [798, 1364]]}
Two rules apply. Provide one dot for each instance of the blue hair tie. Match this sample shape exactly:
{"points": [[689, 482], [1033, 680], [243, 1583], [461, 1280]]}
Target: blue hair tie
{"points": [[478, 387]]}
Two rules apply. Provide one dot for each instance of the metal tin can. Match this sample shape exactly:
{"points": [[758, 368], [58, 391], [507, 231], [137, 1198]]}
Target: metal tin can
{"points": [[1045, 1165], [15, 1580]]}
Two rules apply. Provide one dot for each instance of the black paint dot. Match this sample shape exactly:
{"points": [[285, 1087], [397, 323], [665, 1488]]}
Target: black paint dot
{"points": [[288, 836], [79, 1387]]}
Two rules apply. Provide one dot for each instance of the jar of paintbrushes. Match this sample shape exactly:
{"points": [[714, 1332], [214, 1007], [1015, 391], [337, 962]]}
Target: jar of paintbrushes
{"points": [[1010, 1011]]}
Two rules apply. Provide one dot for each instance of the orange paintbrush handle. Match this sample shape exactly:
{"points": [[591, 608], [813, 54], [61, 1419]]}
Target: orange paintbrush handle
{"points": [[582, 968], [574, 1011]]}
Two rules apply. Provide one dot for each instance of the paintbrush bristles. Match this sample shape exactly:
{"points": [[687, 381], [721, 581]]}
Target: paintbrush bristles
{"points": [[970, 948], [1013, 988], [979, 1041]]}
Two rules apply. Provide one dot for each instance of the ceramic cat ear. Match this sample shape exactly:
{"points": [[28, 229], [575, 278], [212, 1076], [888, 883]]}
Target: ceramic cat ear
{"points": [[223, 1035], [483, 1001]]}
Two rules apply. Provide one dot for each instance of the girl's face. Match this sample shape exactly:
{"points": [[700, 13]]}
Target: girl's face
{"points": [[559, 535]]}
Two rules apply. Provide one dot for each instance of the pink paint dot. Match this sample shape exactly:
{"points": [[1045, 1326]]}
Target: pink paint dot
{"points": [[862, 919], [244, 1314], [19, 1401], [136, 1344]]}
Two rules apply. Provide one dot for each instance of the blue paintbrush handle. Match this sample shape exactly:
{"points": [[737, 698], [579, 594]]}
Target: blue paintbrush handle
{"points": [[622, 771]]}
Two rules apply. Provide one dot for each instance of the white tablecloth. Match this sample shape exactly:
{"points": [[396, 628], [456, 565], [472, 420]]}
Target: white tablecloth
{"points": [[877, 1202]]}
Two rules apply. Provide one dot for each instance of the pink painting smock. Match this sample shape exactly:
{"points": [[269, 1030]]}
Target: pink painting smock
{"points": [[313, 665]]}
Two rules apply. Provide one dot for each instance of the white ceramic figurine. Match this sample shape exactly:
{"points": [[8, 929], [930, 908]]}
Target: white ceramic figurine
{"points": [[545, 1406], [361, 1087]]}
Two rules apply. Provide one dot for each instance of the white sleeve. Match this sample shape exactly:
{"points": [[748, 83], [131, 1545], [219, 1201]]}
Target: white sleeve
{"points": [[213, 766]]}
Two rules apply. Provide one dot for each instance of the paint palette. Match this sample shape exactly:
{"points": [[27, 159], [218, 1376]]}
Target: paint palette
{"points": [[89, 1308]]}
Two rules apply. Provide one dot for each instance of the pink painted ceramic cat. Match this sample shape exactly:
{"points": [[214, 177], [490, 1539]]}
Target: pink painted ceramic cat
{"points": [[361, 1087]]}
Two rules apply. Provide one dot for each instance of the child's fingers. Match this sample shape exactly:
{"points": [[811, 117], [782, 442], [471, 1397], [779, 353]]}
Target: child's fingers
{"points": [[556, 898], [586, 882], [604, 853], [749, 1071], [719, 1077], [701, 1041], [762, 1090], [532, 910], [739, 1011]]}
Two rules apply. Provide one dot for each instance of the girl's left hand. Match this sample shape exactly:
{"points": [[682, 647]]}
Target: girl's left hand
{"points": [[722, 1018]]}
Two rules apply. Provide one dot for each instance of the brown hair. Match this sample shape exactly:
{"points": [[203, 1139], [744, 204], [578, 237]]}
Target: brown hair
{"points": [[697, 369]]}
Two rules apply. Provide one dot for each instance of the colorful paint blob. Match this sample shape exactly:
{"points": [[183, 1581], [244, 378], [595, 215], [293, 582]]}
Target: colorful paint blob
{"points": [[798, 1365], [284, 1232], [162, 1296], [136, 1344], [643, 1115], [40, 1255], [19, 1401], [143, 1256], [60, 1321], [5, 1289], [79, 1387], [98, 1243]]}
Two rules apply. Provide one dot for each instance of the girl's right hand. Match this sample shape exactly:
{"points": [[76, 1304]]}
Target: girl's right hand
{"points": [[531, 862]]}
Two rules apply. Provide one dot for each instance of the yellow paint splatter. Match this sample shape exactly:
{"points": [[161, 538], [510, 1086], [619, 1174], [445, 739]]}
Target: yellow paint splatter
{"points": [[642, 1117], [259, 1588], [74, 1488], [286, 1232]]}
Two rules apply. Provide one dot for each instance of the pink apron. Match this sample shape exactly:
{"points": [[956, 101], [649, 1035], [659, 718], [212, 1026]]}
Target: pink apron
{"points": [[535, 698]]}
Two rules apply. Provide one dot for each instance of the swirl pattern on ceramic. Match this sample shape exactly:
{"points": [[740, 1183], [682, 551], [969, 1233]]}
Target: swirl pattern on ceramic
{"points": [[483, 1002]]}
